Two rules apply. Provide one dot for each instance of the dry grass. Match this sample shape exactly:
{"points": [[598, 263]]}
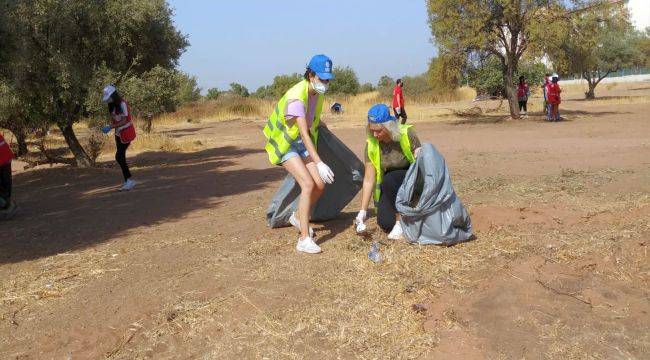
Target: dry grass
{"points": [[231, 107], [366, 310], [153, 141], [359, 309], [422, 108], [224, 108]]}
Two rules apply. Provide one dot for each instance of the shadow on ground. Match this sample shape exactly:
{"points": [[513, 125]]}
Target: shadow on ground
{"points": [[171, 185]]}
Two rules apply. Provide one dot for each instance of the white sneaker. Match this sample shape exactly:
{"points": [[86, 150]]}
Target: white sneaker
{"points": [[293, 220], [128, 185], [397, 233], [308, 246]]}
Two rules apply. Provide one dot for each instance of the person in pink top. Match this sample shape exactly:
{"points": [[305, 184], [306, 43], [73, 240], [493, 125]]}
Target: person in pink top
{"points": [[302, 160]]}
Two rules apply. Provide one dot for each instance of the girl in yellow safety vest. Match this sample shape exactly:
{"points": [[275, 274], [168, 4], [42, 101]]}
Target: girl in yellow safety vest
{"points": [[390, 150], [291, 138]]}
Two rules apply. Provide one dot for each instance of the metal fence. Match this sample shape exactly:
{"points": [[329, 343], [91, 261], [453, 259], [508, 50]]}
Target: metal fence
{"points": [[622, 72]]}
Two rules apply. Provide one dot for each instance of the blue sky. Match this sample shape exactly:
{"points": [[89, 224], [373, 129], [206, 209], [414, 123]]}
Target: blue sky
{"points": [[251, 41]]}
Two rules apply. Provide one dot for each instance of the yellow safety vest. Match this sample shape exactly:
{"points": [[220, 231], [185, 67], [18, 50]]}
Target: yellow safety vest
{"points": [[374, 154], [279, 135]]}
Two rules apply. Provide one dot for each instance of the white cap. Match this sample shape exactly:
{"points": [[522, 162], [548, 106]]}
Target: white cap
{"points": [[555, 75], [108, 91]]}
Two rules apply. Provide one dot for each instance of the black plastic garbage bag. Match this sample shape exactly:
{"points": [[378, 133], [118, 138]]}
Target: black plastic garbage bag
{"points": [[348, 179], [431, 211]]}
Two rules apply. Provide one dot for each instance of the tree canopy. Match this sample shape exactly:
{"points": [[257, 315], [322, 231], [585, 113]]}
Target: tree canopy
{"points": [[595, 42], [57, 48], [506, 29]]}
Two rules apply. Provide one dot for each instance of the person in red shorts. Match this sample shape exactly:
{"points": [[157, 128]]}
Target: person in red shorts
{"points": [[8, 207], [398, 101]]}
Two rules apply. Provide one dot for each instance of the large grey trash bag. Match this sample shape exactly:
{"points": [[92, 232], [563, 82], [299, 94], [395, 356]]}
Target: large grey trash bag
{"points": [[348, 179], [431, 212]]}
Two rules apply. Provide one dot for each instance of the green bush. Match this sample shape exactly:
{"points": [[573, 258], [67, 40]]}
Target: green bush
{"points": [[187, 88], [486, 76], [533, 73], [152, 93], [212, 94], [385, 86], [444, 73], [345, 81], [239, 89], [416, 85], [264, 92], [367, 87], [282, 83]]}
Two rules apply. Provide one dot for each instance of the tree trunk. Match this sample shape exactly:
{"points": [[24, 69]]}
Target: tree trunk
{"points": [[590, 94], [21, 139], [511, 93], [591, 84], [80, 157]]}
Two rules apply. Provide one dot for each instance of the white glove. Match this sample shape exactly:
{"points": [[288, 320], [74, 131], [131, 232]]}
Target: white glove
{"points": [[361, 217], [325, 173], [398, 110]]}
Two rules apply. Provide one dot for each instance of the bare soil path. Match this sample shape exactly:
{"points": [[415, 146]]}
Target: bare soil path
{"points": [[185, 267]]}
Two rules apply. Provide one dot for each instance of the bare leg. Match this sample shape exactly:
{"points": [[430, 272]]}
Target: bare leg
{"points": [[299, 171], [318, 182]]}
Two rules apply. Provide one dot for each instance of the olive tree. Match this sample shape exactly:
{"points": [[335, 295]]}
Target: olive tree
{"points": [[598, 41], [506, 29], [60, 44]]}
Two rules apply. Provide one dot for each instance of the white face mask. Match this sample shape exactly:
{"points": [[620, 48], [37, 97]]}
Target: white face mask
{"points": [[319, 87]]}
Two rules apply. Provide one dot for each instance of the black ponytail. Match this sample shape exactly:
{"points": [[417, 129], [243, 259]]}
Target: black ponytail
{"points": [[308, 73]]}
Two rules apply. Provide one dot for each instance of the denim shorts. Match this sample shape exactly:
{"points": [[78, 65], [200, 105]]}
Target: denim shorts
{"points": [[297, 148]]}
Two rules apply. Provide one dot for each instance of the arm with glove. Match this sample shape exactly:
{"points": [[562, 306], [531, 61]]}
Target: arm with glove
{"points": [[366, 195]]}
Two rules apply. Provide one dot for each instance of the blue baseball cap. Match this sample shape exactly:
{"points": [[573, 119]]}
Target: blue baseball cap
{"points": [[322, 66], [379, 114]]}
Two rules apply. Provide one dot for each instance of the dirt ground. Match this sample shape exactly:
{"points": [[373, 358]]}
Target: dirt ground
{"points": [[185, 267]]}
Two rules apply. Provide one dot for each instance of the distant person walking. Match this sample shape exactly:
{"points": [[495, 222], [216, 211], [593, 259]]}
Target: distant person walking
{"points": [[398, 101], [291, 137], [121, 121], [523, 92], [8, 207], [554, 98]]}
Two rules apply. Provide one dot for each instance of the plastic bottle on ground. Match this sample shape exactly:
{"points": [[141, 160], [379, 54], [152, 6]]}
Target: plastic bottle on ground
{"points": [[374, 253]]}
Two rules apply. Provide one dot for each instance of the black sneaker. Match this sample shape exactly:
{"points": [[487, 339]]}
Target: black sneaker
{"points": [[9, 211]]}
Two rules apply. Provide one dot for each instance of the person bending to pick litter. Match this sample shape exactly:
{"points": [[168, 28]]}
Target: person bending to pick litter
{"points": [[390, 150], [291, 138], [121, 121], [8, 207]]}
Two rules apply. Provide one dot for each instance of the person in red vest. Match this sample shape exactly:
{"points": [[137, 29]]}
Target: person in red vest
{"points": [[523, 92], [121, 121], [8, 207], [398, 101], [553, 94]]}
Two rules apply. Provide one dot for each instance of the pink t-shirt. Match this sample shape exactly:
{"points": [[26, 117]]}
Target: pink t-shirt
{"points": [[296, 109]]}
